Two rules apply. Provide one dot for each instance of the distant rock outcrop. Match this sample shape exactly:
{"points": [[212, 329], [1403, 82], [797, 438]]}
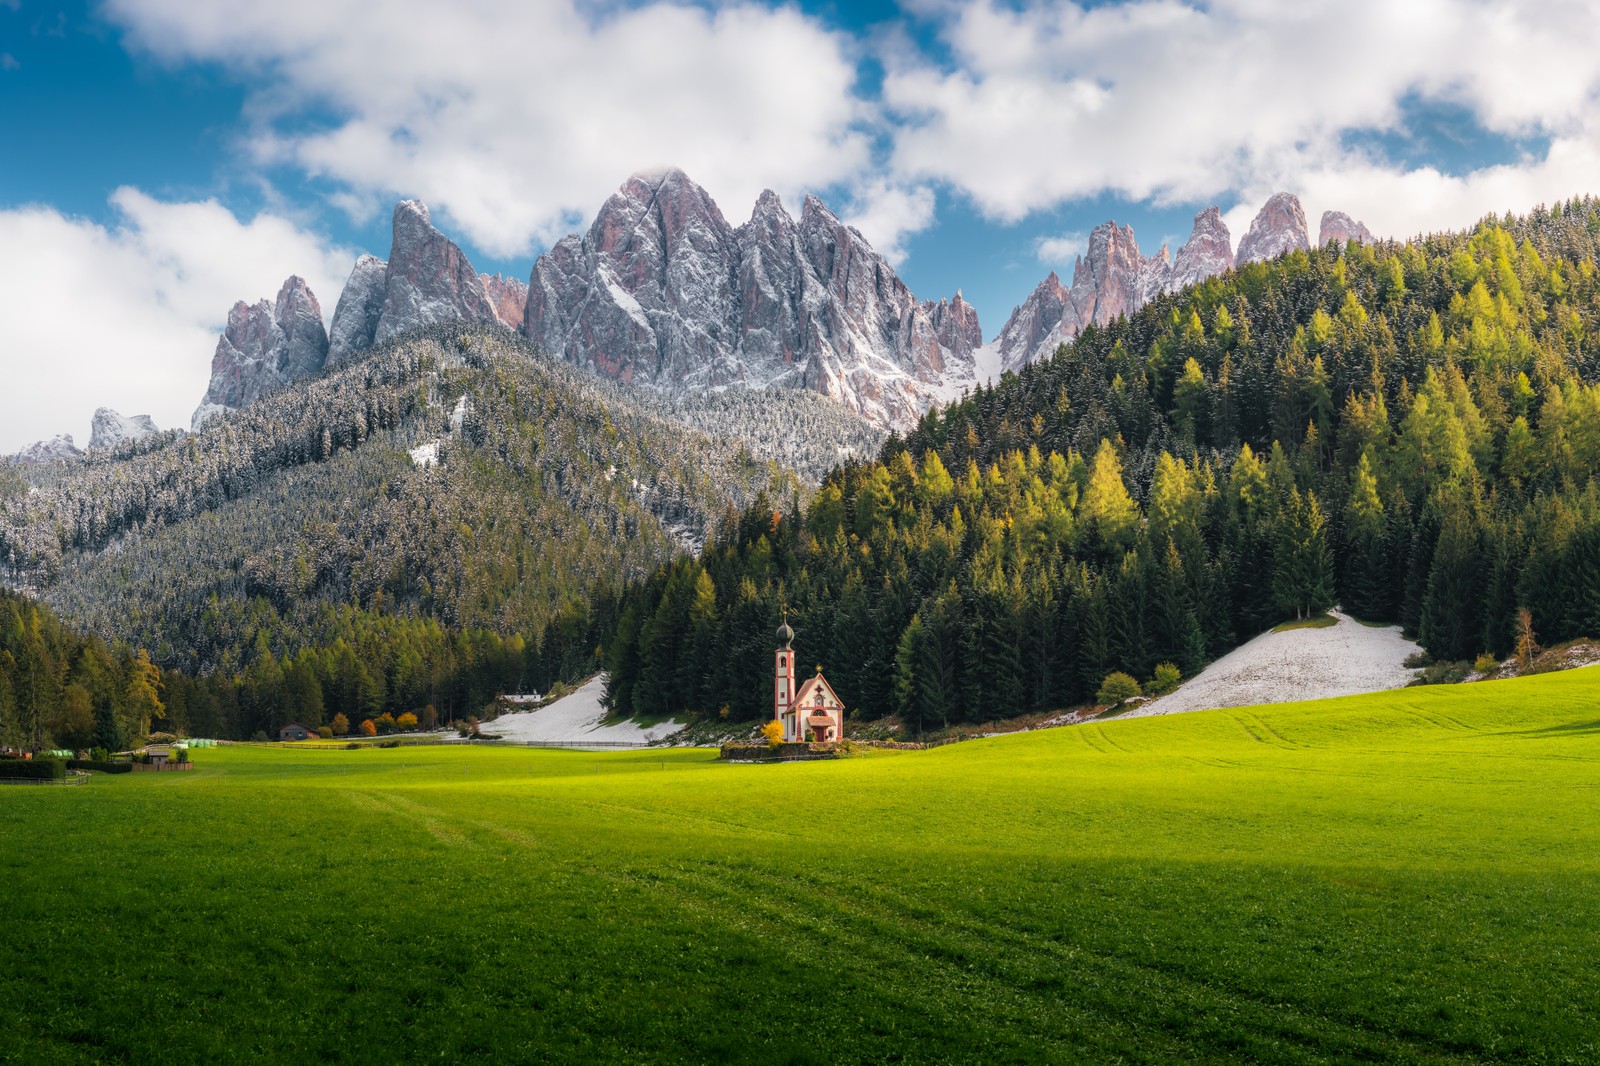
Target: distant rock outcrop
{"points": [[1033, 323], [662, 291], [1109, 280], [355, 319], [264, 347], [1112, 278], [1339, 228], [1279, 227], [44, 451], [112, 429], [428, 278], [1207, 253]]}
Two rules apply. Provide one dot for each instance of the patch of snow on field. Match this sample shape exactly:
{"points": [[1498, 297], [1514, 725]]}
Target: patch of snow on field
{"points": [[577, 716], [1297, 664]]}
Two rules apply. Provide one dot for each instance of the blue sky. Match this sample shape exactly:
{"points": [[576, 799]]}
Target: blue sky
{"points": [[160, 159]]}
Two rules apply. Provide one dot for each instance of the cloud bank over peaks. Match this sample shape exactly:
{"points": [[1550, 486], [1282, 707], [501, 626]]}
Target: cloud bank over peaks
{"points": [[126, 315], [514, 120], [1164, 102]]}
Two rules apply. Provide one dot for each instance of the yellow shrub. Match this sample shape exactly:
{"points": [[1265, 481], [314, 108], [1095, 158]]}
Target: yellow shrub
{"points": [[773, 732]]}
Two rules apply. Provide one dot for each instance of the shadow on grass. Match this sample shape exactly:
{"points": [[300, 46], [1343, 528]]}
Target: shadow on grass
{"points": [[1571, 728]]}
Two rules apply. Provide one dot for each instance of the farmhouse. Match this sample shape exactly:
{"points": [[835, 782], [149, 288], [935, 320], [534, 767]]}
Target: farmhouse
{"points": [[294, 731], [813, 712]]}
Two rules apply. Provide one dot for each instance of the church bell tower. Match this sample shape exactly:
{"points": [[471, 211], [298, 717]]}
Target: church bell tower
{"points": [[783, 698]]}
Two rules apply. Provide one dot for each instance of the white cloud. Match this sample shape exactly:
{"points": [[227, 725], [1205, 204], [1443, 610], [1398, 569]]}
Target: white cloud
{"points": [[1163, 102], [127, 316], [515, 120], [1061, 250], [887, 214], [8, 62]]}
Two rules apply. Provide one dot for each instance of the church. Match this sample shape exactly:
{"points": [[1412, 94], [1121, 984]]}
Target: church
{"points": [[812, 713]]}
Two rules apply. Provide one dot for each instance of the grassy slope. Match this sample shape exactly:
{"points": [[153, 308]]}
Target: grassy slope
{"points": [[1405, 876]]}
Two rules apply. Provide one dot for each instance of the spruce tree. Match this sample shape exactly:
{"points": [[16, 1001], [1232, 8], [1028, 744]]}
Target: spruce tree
{"points": [[1364, 575], [1450, 625]]}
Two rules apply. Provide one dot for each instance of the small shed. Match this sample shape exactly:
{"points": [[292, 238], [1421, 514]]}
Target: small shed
{"points": [[159, 756], [294, 731]]}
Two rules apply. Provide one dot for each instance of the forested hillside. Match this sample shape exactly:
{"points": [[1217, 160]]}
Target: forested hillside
{"points": [[1410, 430], [426, 527], [59, 687]]}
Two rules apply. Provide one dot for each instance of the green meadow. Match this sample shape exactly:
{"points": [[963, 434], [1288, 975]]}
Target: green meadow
{"points": [[1404, 877]]}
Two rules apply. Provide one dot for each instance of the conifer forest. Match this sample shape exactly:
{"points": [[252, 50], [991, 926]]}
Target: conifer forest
{"points": [[1411, 431]]}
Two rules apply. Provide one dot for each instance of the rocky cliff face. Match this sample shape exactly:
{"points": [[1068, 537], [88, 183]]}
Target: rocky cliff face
{"points": [[428, 278], [1111, 279], [1279, 227], [1028, 332], [355, 319], [1207, 253], [662, 291], [509, 299], [111, 429], [1339, 228], [44, 451], [264, 347]]}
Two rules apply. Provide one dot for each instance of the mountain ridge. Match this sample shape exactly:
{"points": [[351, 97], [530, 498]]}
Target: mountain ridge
{"points": [[662, 291]]}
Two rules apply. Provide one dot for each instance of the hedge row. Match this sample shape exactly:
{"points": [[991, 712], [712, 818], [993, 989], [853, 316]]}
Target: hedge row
{"points": [[103, 767], [33, 769]]}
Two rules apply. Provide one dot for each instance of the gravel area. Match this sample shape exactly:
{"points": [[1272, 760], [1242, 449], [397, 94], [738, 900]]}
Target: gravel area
{"points": [[1298, 664], [576, 716]]}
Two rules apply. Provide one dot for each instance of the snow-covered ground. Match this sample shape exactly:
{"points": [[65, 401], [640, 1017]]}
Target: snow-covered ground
{"points": [[1297, 664], [576, 716]]}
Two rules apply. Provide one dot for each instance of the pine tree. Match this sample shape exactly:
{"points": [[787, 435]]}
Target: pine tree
{"points": [[1450, 625], [1365, 579], [1302, 565]]}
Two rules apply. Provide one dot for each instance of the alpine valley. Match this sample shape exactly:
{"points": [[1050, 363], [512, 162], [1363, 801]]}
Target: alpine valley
{"points": [[703, 444], [463, 485]]}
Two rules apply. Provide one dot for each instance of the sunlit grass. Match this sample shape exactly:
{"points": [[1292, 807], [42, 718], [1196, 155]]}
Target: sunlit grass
{"points": [[1406, 876]]}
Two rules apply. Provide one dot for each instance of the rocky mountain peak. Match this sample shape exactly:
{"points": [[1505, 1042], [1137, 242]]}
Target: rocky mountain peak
{"points": [[1279, 227], [1112, 278], [660, 291], [299, 315], [355, 319], [1032, 323], [1339, 228], [58, 447], [646, 295], [428, 279], [769, 203], [111, 429], [1207, 253], [264, 347]]}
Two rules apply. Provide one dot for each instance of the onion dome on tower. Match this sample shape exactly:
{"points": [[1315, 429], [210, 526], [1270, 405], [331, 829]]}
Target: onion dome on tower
{"points": [[785, 634]]}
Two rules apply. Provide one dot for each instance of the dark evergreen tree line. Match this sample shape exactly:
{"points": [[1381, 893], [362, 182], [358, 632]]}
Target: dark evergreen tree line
{"points": [[1411, 430]]}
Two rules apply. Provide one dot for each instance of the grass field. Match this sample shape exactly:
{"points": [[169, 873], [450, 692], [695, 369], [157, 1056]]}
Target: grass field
{"points": [[1410, 876]]}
